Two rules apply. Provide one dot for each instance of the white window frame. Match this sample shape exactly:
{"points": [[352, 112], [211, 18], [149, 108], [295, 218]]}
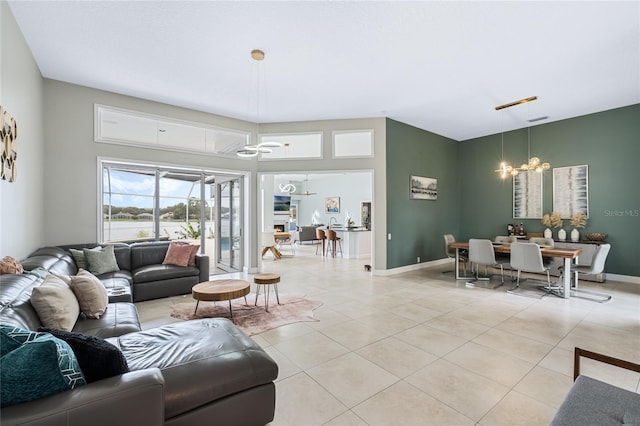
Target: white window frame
{"points": [[342, 132], [276, 135]]}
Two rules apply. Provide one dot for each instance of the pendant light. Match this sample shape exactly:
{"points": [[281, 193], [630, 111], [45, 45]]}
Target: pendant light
{"points": [[534, 163], [264, 147]]}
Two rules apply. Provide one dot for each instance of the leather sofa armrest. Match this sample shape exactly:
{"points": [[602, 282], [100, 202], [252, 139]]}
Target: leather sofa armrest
{"points": [[202, 262], [114, 401]]}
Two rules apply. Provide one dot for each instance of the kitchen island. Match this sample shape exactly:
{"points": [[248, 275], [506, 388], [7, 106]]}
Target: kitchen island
{"points": [[356, 241]]}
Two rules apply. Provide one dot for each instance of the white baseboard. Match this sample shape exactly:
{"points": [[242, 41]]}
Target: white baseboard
{"points": [[386, 272], [414, 267], [623, 278]]}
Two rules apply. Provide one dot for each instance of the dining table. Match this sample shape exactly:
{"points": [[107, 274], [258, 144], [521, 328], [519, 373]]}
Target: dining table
{"points": [[567, 254]]}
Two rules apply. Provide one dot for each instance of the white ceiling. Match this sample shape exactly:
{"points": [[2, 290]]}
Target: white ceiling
{"points": [[440, 66]]}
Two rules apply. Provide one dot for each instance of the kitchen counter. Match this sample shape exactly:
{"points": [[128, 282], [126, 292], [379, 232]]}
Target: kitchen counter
{"points": [[356, 241]]}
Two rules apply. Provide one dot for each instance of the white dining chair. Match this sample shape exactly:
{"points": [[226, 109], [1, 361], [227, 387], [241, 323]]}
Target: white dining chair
{"points": [[481, 253], [596, 267], [527, 257]]}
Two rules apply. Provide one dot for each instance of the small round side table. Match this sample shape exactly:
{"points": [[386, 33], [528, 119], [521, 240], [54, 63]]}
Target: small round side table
{"points": [[266, 280]]}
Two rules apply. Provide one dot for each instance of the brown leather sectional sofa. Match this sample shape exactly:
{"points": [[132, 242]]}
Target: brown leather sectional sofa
{"points": [[187, 373]]}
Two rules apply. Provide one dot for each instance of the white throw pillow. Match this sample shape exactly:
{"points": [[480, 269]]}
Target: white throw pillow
{"points": [[55, 304], [90, 292]]}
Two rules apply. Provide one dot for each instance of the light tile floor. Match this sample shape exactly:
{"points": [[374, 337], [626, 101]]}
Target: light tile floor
{"points": [[419, 348]]}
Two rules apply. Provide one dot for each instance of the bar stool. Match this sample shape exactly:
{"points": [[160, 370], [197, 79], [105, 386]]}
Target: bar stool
{"points": [[320, 235], [332, 236], [266, 280]]}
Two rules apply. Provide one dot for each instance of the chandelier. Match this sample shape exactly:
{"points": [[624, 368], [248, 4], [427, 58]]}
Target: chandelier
{"points": [[534, 163], [264, 147]]}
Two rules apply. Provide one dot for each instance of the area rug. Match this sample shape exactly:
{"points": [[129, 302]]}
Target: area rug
{"points": [[253, 319]]}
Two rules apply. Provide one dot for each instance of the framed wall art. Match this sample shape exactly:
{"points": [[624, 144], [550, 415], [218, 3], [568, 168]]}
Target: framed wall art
{"points": [[332, 205], [423, 188], [527, 195], [571, 190], [8, 146]]}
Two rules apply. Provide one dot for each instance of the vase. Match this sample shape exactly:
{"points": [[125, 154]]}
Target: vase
{"points": [[562, 234], [547, 233], [575, 235]]}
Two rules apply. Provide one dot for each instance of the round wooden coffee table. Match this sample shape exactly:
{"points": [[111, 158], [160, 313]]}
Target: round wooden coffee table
{"points": [[219, 290]]}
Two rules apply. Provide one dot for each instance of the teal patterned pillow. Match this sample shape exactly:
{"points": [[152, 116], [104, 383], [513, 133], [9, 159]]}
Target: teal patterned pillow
{"points": [[7, 343], [41, 366]]}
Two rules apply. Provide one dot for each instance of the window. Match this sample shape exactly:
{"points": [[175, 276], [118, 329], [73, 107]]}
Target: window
{"points": [[142, 203], [296, 146], [119, 126], [353, 143]]}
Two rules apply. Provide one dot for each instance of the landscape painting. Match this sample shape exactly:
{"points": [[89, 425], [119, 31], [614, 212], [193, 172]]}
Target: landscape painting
{"points": [[423, 188]]}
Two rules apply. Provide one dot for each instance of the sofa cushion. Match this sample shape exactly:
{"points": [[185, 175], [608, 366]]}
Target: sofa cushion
{"points": [[592, 402], [41, 366], [118, 319], [53, 259], [101, 261], [163, 272], [98, 359], [143, 254], [91, 294], [201, 361], [55, 303]]}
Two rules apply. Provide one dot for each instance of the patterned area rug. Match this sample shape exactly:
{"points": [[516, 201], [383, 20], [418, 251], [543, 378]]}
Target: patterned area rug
{"points": [[253, 319]]}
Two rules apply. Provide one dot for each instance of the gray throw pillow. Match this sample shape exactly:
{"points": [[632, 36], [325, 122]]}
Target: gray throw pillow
{"points": [[101, 261], [78, 256]]}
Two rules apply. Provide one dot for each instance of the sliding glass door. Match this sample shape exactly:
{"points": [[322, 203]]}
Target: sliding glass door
{"points": [[230, 211], [148, 203]]}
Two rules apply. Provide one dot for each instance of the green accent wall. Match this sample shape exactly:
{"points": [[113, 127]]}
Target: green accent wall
{"points": [[417, 227], [608, 142]]}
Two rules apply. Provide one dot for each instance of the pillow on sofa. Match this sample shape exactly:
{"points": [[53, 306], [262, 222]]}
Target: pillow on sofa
{"points": [[9, 265], [192, 255], [98, 359], [90, 292], [179, 254], [55, 304], [78, 256], [41, 366], [7, 342], [101, 261]]}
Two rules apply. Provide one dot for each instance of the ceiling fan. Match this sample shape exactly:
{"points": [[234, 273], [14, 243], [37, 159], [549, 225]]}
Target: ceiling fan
{"points": [[306, 187]]}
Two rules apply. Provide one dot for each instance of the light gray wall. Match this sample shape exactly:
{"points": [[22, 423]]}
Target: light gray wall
{"points": [[21, 95], [377, 164], [71, 171]]}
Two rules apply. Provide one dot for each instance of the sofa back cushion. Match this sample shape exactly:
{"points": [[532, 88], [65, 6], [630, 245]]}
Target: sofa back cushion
{"points": [[15, 303], [143, 254], [53, 259], [121, 250]]}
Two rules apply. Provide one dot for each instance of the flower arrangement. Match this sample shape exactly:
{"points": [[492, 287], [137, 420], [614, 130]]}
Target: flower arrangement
{"points": [[553, 220], [579, 220]]}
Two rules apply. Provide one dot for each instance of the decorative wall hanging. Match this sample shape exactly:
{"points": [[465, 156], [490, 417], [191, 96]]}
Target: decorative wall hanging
{"points": [[423, 188], [527, 195], [9, 147], [332, 205], [571, 190]]}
